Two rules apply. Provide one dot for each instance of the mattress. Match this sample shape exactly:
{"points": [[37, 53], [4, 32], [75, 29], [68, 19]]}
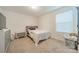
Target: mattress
{"points": [[38, 35]]}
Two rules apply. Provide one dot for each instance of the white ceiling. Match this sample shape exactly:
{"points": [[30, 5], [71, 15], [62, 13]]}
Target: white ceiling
{"points": [[26, 10]]}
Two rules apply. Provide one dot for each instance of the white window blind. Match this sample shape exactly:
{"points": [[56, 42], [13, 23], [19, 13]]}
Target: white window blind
{"points": [[64, 21]]}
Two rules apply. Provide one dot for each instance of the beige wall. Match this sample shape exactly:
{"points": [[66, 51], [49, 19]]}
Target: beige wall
{"points": [[47, 22], [17, 22]]}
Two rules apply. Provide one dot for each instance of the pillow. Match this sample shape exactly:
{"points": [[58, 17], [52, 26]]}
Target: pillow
{"points": [[73, 38]]}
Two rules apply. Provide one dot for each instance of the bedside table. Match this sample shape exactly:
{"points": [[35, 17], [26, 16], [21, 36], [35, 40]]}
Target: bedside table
{"points": [[20, 35]]}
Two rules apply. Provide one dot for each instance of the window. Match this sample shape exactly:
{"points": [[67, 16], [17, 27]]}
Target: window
{"points": [[64, 21]]}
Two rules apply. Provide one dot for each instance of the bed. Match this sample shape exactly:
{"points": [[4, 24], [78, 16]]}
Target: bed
{"points": [[36, 34]]}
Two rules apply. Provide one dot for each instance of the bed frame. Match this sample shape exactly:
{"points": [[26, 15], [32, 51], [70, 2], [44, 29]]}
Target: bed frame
{"points": [[31, 28]]}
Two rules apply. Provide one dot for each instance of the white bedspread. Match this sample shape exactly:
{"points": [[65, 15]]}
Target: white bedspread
{"points": [[38, 35]]}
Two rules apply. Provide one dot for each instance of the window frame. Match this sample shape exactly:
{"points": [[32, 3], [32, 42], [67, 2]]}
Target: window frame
{"points": [[74, 25]]}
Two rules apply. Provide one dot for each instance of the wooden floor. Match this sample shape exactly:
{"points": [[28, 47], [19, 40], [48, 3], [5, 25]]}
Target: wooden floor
{"points": [[26, 45]]}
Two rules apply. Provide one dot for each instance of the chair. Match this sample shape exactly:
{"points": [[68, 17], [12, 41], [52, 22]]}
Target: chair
{"points": [[71, 40]]}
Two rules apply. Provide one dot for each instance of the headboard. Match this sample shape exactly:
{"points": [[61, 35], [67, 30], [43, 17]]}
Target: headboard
{"points": [[31, 28]]}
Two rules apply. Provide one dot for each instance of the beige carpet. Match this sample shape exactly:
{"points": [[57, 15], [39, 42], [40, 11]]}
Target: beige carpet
{"points": [[26, 45]]}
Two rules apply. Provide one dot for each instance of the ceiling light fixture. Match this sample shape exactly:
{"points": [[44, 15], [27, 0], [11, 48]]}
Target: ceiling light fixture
{"points": [[34, 7]]}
